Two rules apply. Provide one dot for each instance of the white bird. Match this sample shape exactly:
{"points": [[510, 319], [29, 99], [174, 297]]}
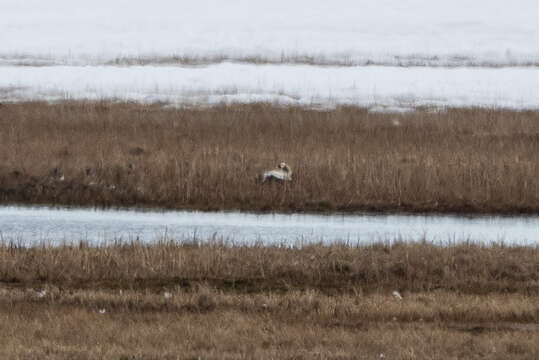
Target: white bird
{"points": [[167, 295], [42, 293], [281, 174], [396, 295], [102, 311]]}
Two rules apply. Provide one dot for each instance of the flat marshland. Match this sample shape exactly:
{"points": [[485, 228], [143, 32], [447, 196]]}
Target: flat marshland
{"points": [[388, 114], [174, 300], [211, 299], [344, 159]]}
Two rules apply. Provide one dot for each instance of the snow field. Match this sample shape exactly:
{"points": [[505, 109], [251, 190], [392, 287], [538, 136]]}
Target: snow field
{"points": [[351, 32], [370, 86], [398, 54]]}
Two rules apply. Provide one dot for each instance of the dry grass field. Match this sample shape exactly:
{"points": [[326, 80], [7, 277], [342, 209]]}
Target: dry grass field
{"points": [[464, 268], [214, 301], [346, 159], [205, 324]]}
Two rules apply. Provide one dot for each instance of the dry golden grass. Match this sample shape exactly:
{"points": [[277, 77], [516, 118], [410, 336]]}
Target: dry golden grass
{"points": [[465, 268], [347, 159], [214, 301], [209, 324]]}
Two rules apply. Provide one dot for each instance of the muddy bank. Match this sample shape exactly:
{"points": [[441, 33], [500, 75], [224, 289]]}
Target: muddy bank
{"points": [[112, 189]]}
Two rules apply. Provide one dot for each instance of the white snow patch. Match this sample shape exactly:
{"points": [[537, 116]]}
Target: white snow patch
{"points": [[371, 86], [353, 32]]}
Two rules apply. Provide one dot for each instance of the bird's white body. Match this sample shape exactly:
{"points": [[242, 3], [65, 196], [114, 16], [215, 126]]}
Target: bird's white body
{"points": [[276, 175], [282, 173]]}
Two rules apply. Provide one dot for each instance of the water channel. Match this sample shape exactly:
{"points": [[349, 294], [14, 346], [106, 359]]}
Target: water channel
{"points": [[33, 225]]}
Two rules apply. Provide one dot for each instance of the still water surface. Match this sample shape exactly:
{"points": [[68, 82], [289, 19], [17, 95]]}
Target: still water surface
{"points": [[32, 225]]}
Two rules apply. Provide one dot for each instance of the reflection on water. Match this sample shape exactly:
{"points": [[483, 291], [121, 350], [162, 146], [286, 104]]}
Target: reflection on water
{"points": [[35, 224]]}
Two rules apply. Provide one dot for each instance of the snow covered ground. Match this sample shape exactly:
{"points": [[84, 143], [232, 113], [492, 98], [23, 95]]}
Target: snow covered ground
{"points": [[372, 86], [353, 32], [382, 54]]}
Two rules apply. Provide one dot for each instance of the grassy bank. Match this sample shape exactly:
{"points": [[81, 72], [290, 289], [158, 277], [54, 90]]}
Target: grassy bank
{"points": [[214, 301], [347, 159], [331, 269]]}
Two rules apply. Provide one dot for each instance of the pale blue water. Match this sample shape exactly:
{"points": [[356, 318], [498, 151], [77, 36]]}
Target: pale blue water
{"points": [[35, 224]]}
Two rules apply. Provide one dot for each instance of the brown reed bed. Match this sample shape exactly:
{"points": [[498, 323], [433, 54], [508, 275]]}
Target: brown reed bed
{"points": [[331, 269], [345, 159], [211, 300], [66, 323]]}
